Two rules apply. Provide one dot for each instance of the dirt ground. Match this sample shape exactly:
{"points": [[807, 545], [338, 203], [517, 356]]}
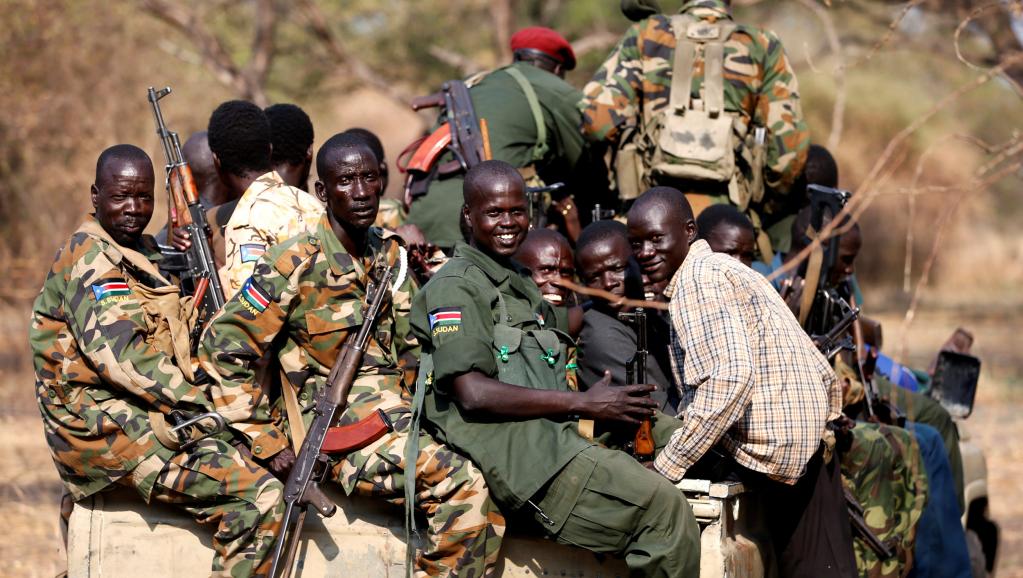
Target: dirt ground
{"points": [[30, 490]]}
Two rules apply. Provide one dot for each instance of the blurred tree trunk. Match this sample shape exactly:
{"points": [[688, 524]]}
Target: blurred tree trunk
{"points": [[502, 18], [249, 78]]}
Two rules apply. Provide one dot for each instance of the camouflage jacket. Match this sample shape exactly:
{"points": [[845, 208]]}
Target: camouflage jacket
{"points": [[268, 213], [634, 84], [303, 299], [100, 365]]}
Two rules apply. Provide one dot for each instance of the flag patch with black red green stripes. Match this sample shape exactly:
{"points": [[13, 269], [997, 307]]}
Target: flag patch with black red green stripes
{"points": [[254, 296], [111, 288], [445, 320]]}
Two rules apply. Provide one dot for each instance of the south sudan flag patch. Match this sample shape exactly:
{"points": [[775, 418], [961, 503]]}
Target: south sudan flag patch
{"points": [[445, 320], [251, 252], [254, 297], [113, 289]]}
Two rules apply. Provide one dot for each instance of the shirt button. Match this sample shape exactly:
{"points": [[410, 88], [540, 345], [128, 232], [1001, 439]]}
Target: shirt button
{"points": [[257, 450], [51, 392], [303, 396]]}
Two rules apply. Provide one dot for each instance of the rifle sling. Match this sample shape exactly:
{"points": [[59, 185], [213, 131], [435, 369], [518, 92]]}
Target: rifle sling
{"points": [[813, 277], [540, 148], [295, 423]]}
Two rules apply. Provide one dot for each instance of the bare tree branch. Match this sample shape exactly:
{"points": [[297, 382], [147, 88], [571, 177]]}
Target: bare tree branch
{"points": [[191, 23], [343, 59], [501, 16], [838, 108], [596, 41], [466, 66]]}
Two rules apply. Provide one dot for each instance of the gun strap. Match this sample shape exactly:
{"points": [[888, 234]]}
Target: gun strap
{"points": [[294, 412], [813, 276], [158, 423], [763, 241], [423, 380], [540, 148]]}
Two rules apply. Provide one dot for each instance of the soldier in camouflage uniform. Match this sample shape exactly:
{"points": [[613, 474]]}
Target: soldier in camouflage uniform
{"points": [[269, 210], [633, 85], [306, 295], [109, 340]]}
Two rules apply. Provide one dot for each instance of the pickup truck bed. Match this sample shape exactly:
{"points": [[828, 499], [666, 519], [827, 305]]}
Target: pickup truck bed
{"points": [[115, 534]]}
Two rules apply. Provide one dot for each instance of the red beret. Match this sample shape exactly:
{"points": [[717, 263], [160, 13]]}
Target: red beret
{"points": [[547, 41]]}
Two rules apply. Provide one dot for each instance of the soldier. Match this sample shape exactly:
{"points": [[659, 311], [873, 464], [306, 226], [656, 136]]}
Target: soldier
{"points": [[743, 99], [605, 261], [494, 372], [291, 133], [269, 210], [727, 231], [533, 124], [882, 465], [547, 256], [110, 344], [305, 296], [756, 392], [199, 157]]}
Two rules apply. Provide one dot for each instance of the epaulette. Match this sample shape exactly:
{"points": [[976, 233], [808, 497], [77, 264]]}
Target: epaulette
{"points": [[289, 255]]}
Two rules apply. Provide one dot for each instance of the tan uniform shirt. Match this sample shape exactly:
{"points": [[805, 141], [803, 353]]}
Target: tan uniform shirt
{"points": [[268, 213]]}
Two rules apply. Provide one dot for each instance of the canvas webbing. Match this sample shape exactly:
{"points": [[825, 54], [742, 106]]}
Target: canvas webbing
{"points": [[763, 240], [713, 64], [540, 148], [158, 423]]}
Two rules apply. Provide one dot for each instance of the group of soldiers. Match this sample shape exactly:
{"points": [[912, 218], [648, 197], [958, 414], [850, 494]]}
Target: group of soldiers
{"points": [[503, 386]]}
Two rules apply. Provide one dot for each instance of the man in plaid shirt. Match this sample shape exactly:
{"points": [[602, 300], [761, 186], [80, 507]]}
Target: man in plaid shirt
{"points": [[756, 393]]}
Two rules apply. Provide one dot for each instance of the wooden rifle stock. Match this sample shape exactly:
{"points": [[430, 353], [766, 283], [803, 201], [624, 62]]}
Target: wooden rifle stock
{"points": [[302, 487], [635, 372]]}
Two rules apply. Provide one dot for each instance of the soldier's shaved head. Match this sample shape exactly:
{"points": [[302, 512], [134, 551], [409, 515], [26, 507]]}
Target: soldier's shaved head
{"points": [[488, 176], [114, 158], [123, 193], [668, 199], [661, 227], [199, 157], [334, 145], [495, 212]]}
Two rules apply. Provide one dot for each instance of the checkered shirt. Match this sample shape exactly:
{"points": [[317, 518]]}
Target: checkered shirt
{"points": [[750, 378]]}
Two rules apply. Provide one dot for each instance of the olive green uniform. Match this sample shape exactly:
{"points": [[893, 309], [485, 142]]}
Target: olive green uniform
{"points": [[512, 130], [478, 315]]}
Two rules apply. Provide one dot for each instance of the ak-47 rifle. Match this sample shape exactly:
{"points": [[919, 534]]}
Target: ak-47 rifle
{"points": [[462, 134], [187, 212], [876, 406], [862, 531], [837, 338], [538, 203], [642, 446], [312, 463]]}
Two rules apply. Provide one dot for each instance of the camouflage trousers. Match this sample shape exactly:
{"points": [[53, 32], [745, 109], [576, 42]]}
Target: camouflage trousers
{"points": [[885, 471], [465, 527], [216, 484]]}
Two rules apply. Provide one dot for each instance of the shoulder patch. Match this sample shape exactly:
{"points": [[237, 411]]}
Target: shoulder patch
{"points": [[112, 289], [252, 295], [445, 320], [251, 252]]}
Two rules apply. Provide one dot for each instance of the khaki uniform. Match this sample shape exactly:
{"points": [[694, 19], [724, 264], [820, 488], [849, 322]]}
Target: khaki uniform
{"points": [[477, 315], [109, 339], [268, 213], [302, 301]]}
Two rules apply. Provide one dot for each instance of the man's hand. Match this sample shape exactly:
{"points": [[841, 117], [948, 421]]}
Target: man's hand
{"points": [[281, 463], [181, 239], [628, 404]]}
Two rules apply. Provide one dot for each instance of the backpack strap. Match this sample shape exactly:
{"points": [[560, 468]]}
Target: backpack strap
{"points": [[690, 32], [540, 149]]}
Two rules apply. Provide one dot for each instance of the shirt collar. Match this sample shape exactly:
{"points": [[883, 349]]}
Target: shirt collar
{"points": [[497, 272], [698, 249], [340, 260], [706, 8]]}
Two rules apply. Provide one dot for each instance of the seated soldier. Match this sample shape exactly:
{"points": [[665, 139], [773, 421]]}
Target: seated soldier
{"points": [[606, 262], [727, 231], [881, 465], [754, 388], [304, 299], [111, 363], [941, 543], [547, 256], [493, 371]]}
